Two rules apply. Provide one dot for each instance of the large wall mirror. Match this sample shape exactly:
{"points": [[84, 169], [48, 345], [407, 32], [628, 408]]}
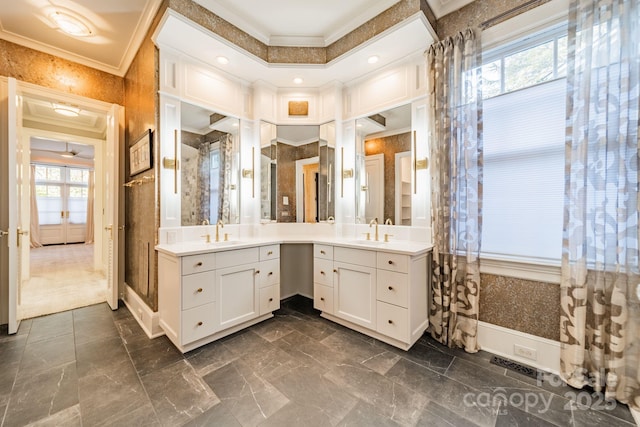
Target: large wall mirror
{"points": [[297, 169], [383, 166], [209, 171]]}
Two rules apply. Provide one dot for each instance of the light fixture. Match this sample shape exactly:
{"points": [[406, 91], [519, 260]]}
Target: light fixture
{"points": [[373, 59], [298, 80], [66, 110], [222, 60], [70, 25]]}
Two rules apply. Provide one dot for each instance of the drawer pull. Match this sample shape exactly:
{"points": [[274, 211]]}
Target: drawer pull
{"points": [[199, 323], [390, 262], [322, 272], [335, 270], [199, 264], [270, 253], [199, 290], [270, 299], [390, 288], [270, 273], [390, 322], [321, 298], [257, 271], [323, 252]]}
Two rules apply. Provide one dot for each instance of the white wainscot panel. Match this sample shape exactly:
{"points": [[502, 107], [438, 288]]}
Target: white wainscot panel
{"points": [[210, 89], [385, 90]]}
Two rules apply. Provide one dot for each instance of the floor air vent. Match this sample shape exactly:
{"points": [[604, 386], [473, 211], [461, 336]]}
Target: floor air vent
{"points": [[515, 366]]}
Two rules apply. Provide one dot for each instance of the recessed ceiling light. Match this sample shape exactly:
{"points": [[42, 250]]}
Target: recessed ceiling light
{"points": [[298, 80], [373, 59], [70, 25], [66, 110], [222, 60]]}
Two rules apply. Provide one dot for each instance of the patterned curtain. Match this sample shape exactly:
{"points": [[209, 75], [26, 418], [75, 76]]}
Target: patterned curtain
{"points": [[600, 289], [454, 67], [226, 158], [204, 184]]}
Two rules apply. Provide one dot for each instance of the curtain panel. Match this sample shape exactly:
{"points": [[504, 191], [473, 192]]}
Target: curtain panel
{"points": [[600, 285], [454, 79], [226, 158]]}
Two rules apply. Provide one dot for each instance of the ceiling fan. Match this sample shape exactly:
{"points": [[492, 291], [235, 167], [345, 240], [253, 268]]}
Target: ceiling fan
{"points": [[68, 153]]}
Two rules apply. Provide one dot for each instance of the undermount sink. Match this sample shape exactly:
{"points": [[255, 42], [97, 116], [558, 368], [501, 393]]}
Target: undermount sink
{"points": [[367, 242]]}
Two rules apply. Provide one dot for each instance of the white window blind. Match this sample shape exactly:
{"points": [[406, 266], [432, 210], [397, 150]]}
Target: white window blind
{"points": [[523, 186]]}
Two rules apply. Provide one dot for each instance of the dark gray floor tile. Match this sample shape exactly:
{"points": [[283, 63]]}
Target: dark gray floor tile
{"points": [[270, 363], [12, 348], [313, 327], [94, 329], [108, 395], [272, 329], [8, 374], [300, 304], [178, 394], [69, 417], [250, 398], [429, 357], [514, 417], [42, 355], [210, 357], [609, 413], [160, 353], [245, 341], [133, 336], [366, 415], [309, 389], [23, 328], [101, 355], [544, 380], [53, 325], [367, 353], [217, 415], [391, 399], [448, 393], [309, 352], [295, 414], [38, 396], [435, 415], [93, 312], [143, 416]]}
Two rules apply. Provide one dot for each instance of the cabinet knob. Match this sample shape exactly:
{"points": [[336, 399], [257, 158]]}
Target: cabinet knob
{"points": [[335, 270], [322, 272], [199, 323], [390, 288], [199, 290], [390, 262], [270, 273], [323, 252], [199, 264], [257, 271], [390, 322], [270, 299], [321, 298], [270, 253]]}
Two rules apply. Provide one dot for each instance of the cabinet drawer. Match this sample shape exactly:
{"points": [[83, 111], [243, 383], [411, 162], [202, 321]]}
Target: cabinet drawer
{"points": [[323, 251], [197, 263], [198, 289], [393, 288], [269, 252], [355, 256], [323, 271], [323, 298], [198, 323], [269, 272], [232, 258], [393, 321], [269, 299], [393, 262]]}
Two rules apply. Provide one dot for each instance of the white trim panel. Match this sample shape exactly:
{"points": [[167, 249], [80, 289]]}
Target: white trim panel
{"points": [[148, 319]]}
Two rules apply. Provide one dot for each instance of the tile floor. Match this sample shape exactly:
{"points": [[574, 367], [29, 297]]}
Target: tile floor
{"points": [[92, 366]]}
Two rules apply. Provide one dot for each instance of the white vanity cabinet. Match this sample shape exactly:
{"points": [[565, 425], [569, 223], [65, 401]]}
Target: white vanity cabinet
{"points": [[207, 296], [380, 293]]}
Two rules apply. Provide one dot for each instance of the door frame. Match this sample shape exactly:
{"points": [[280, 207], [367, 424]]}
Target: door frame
{"points": [[378, 161], [299, 185]]}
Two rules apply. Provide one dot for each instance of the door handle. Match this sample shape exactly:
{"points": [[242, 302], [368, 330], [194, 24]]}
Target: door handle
{"points": [[3, 233], [20, 233], [109, 228]]}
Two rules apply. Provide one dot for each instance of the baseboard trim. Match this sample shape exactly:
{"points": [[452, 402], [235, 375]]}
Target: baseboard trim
{"points": [[148, 319], [502, 341]]}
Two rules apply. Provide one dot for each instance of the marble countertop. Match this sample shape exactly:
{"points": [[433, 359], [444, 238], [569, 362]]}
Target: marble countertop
{"points": [[197, 247]]}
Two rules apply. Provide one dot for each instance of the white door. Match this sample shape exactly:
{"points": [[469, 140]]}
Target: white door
{"points": [[354, 294], [114, 224], [11, 183], [237, 295], [374, 188]]}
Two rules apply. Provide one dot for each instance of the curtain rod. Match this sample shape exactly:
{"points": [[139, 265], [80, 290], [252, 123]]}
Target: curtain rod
{"points": [[509, 13]]}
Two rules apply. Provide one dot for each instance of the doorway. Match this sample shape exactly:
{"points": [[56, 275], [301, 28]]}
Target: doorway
{"points": [[374, 187], [307, 189]]}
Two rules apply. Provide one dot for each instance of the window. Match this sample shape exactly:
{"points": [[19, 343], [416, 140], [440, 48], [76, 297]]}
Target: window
{"points": [[61, 193], [524, 94]]}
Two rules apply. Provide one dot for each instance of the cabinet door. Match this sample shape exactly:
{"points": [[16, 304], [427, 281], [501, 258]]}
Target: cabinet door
{"points": [[237, 295], [354, 294]]}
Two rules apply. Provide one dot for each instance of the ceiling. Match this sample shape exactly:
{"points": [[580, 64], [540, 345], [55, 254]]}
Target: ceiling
{"points": [[119, 26]]}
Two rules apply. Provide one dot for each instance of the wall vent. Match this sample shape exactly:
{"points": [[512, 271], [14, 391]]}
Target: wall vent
{"points": [[515, 366]]}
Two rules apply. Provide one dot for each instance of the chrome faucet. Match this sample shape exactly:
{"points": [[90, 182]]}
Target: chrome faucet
{"points": [[205, 221], [374, 221], [388, 222], [221, 225]]}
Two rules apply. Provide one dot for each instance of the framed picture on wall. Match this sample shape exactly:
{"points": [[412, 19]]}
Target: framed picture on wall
{"points": [[140, 153]]}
